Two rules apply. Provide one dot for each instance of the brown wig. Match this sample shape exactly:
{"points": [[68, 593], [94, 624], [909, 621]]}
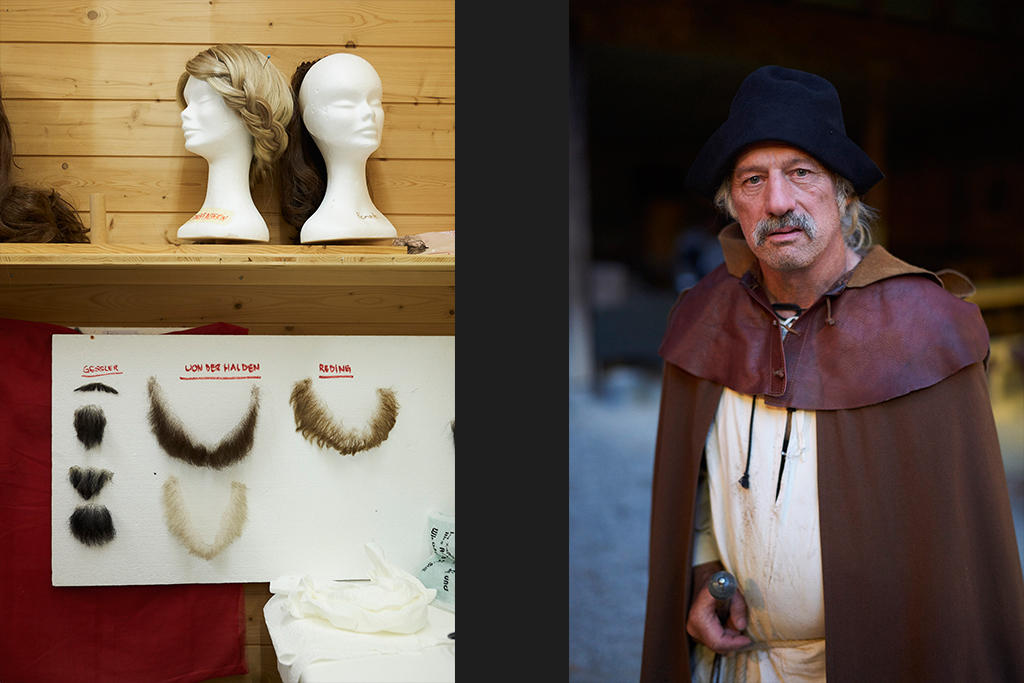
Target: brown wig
{"points": [[302, 172], [28, 214]]}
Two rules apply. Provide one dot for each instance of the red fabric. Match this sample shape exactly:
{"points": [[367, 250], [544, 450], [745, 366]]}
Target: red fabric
{"points": [[95, 634]]}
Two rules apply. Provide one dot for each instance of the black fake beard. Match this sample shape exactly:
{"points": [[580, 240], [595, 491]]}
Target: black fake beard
{"points": [[97, 386], [89, 425], [92, 525], [90, 481]]}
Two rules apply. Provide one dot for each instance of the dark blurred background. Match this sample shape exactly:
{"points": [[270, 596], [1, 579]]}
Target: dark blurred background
{"points": [[931, 89]]}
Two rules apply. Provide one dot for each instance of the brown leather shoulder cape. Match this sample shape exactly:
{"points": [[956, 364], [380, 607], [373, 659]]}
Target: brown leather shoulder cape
{"points": [[922, 577]]}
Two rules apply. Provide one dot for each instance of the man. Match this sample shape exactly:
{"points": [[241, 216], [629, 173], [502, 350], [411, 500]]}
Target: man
{"points": [[825, 433]]}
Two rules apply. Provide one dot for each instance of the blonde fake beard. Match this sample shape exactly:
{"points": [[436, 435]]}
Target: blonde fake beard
{"points": [[181, 528]]}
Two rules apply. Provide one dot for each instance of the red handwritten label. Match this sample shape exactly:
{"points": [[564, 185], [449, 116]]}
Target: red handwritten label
{"points": [[211, 217], [222, 370], [101, 370], [335, 371]]}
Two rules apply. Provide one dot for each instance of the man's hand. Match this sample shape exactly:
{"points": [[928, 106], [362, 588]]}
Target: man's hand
{"points": [[705, 623]]}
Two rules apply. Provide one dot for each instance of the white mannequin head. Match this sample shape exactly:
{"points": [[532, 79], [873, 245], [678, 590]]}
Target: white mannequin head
{"points": [[235, 109], [211, 128], [340, 104]]}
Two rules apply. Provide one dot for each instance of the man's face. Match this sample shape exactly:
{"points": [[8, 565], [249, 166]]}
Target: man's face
{"points": [[785, 202]]}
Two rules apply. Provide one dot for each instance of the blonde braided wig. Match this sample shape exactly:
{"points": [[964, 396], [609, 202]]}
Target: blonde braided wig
{"points": [[253, 87]]}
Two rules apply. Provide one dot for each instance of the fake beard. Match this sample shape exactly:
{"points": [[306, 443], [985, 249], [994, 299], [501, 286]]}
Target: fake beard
{"points": [[181, 528], [173, 438], [92, 525], [97, 386], [313, 420], [90, 481], [89, 425]]}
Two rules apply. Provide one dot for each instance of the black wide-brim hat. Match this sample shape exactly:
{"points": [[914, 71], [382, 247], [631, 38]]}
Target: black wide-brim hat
{"points": [[789, 106]]}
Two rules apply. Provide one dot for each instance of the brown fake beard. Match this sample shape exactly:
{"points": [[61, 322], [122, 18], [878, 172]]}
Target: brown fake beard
{"points": [[314, 421], [177, 443]]}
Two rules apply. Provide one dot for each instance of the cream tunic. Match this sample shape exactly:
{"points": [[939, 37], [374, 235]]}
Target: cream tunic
{"points": [[772, 545]]}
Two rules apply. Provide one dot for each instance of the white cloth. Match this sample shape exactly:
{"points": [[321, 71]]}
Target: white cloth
{"points": [[393, 600], [381, 630], [772, 546], [310, 650]]}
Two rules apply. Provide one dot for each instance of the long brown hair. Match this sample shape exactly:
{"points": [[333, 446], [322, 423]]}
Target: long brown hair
{"points": [[29, 214], [302, 172]]}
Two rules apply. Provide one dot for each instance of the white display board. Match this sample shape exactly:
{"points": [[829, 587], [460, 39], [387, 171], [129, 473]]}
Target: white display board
{"points": [[309, 509]]}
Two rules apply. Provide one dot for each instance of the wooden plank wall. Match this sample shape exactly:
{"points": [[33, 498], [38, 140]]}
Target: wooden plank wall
{"points": [[89, 90]]}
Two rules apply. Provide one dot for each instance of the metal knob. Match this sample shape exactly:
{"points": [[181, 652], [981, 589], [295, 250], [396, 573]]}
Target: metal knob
{"points": [[722, 585]]}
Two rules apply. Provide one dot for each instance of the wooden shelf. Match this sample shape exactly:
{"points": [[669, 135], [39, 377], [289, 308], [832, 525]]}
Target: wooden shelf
{"points": [[270, 289]]}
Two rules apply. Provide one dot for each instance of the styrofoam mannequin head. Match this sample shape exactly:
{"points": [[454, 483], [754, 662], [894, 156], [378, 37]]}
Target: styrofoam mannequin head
{"points": [[211, 128], [217, 133], [340, 103], [340, 106], [236, 106], [254, 88]]}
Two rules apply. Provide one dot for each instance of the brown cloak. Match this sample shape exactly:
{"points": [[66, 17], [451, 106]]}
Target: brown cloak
{"points": [[922, 578]]}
